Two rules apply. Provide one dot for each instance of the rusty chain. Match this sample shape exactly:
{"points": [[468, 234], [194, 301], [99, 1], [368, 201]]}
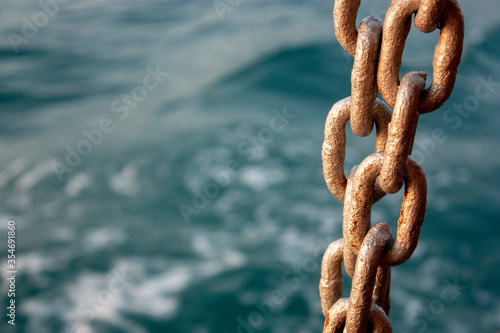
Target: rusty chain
{"points": [[369, 252]]}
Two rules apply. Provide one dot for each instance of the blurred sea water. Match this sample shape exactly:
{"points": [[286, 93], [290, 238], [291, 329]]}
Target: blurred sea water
{"points": [[199, 205]]}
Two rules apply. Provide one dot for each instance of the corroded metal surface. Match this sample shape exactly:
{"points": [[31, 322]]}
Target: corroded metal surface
{"points": [[330, 285], [363, 282], [344, 19], [401, 131], [333, 151], [363, 76], [369, 252], [336, 318], [349, 256], [382, 287], [447, 54], [429, 14], [411, 217], [357, 214]]}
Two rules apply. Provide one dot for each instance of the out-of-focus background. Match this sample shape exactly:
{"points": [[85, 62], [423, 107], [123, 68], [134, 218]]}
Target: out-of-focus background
{"points": [[162, 161]]}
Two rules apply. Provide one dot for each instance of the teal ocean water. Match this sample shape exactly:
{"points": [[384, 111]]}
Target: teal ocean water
{"points": [[162, 162]]}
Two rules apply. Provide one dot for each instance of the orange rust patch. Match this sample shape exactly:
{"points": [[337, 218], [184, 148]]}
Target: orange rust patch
{"points": [[327, 321]]}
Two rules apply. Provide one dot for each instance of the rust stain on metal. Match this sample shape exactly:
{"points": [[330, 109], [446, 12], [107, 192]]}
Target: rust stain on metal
{"points": [[369, 252], [327, 321], [363, 281], [330, 285], [401, 131], [363, 76], [447, 54], [333, 151]]}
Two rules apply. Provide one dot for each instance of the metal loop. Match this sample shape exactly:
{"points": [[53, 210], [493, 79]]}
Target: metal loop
{"points": [[357, 214], [349, 256], [429, 14], [382, 288], [383, 280], [447, 54], [333, 151], [364, 74], [330, 285], [344, 19], [363, 283], [336, 318], [401, 131]]}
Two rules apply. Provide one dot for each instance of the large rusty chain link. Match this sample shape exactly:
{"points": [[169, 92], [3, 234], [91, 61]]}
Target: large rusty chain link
{"points": [[368, 253]]}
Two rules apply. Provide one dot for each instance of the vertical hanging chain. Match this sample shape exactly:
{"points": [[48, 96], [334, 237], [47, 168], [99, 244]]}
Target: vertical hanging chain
{"points": [[369, 252]]}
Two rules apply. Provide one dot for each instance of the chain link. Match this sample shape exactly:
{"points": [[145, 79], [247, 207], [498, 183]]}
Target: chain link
{"points": [[401, 131], [447, 54], [429, 15], [333, 151], [369, 252], [376, 241], [344, 19], [363, 77], [336, 318]]}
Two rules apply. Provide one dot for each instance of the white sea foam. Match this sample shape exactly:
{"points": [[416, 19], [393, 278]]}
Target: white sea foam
{"points": [[35, 263], [13, 169], [125, 183], [203, 246], [259, 178], [34, 176], [77, 184], [103, 237]]}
